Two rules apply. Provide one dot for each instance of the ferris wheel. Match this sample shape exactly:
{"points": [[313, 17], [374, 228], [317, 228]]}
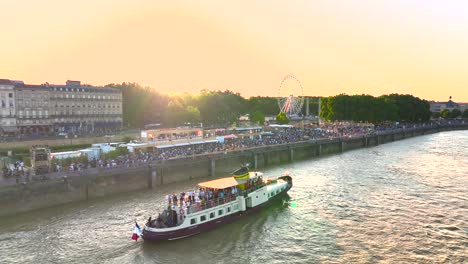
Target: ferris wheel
{"points": [[290, 95]]}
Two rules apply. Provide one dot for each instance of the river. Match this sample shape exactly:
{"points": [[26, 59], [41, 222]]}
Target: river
{"points": [[402, 202]]}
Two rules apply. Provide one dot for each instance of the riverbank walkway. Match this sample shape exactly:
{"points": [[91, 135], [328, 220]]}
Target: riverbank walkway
{"points": [[329, 132]]}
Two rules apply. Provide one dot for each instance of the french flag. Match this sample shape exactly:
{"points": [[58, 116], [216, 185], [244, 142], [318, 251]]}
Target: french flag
{"points": [[136, 232]]}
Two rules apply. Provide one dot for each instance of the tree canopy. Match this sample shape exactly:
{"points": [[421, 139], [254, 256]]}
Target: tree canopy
{"points": [[465, 113], [282, 119], [367, 108], [144, 105]]}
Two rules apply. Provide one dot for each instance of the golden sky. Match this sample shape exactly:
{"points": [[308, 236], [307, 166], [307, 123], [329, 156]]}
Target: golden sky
{"points": [[374, 47]]}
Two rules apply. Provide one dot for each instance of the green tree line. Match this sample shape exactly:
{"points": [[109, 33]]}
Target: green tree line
{"points": [[145, 105], [393, 107]]}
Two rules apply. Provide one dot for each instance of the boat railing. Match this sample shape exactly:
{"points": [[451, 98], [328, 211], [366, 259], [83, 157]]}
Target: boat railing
{"points": [[209, 203]]}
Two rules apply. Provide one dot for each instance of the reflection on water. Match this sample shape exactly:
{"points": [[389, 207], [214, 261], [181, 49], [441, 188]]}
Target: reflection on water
{"points": [[401, 202]]}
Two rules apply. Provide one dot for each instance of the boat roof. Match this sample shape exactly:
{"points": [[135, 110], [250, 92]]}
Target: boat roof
{"points": [[228, 182], [222, 183]]}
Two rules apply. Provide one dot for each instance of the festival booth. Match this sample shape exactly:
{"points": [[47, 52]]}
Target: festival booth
{"points": [[170, 134]]}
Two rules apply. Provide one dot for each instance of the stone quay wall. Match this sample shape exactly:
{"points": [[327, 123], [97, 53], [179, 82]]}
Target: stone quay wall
{"points": [[37, 195]]}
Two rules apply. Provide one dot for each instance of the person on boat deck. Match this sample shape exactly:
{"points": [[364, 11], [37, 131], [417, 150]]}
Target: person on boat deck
{"points": [[221, 195], [182, 194], [210, 194], [201, 194], [192, 196], [174, 199], [168, 198], [234, 190]]}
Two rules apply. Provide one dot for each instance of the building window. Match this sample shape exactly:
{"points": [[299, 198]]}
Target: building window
{"points": [[10, 95]]}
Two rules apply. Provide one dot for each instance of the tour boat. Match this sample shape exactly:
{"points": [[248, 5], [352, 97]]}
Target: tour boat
{"points": [[222, 201]]}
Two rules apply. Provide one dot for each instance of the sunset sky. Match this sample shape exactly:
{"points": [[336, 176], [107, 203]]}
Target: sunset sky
{"points": [[373, 47]]}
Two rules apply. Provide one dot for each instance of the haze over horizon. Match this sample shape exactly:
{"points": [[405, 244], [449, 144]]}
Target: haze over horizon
{"points": [[355, 47]]}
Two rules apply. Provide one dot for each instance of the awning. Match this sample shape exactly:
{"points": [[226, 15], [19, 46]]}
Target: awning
{"points": [[220, 183], [181, 144], [164, 146]]}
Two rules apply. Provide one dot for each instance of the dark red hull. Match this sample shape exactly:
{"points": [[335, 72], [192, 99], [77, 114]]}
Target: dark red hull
{"points": [[196, 229]]}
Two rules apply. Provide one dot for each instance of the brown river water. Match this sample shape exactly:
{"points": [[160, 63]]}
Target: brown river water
{"points": [[402, 202]]}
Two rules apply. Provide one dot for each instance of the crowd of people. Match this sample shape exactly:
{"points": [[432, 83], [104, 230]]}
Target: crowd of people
{"points": [[266, 138], [198, 200]]}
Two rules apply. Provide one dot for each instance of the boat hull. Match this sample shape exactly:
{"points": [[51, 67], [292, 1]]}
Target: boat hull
{"points": [[149, 235]]}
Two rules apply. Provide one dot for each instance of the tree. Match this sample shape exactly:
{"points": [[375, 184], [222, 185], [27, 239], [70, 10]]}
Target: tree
{"points": [[266, 105], [257, 116], [455, 113], [221, 108], [445, 113], [465, 113], [140, 105], [192, 114], [282, 118], [313, 106]]}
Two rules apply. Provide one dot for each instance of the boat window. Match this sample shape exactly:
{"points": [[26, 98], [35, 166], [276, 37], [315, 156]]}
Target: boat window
{"points": [[193, 221], [229, 209], [236, 207], [202, 218], [220, 212], [212, 215]]}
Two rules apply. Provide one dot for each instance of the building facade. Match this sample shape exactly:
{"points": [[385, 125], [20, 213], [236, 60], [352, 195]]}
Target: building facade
{"points": [[7, 107], [71, 108], [449, 105]]}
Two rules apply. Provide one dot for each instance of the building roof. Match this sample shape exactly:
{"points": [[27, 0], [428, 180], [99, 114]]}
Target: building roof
{"points": [[451, 104], [5, 81], [222, 183]]}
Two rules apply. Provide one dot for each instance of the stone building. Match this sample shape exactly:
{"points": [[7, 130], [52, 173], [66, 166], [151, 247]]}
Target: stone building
{"points": [[71, 108], [32, 109], [7, 107], [449, 105]]}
